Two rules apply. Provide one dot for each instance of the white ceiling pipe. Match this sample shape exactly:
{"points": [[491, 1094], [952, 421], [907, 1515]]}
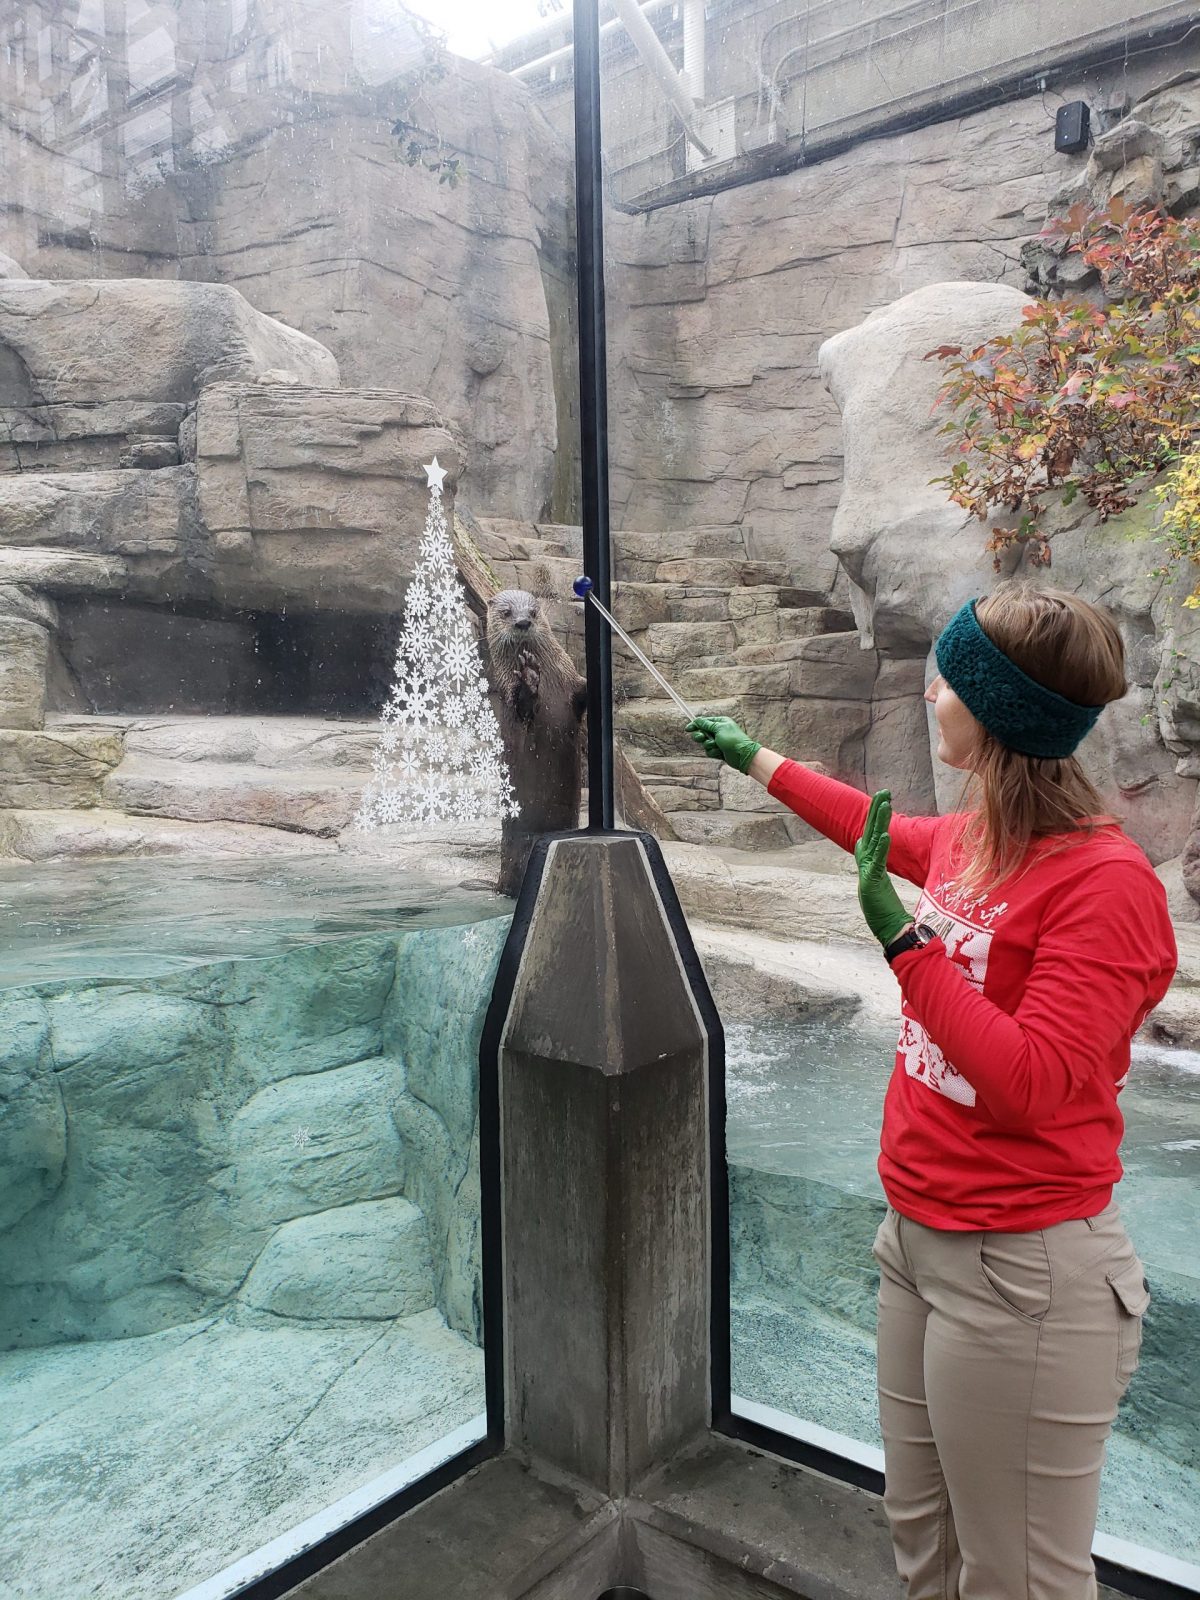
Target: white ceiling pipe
{"points": [[693, 48], [650, 48], [542, 30], [553, 57], [557, 57]]}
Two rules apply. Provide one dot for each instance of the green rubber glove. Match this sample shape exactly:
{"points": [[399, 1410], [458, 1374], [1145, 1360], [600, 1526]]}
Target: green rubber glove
{"points": [[880, 903], [724, 741]]}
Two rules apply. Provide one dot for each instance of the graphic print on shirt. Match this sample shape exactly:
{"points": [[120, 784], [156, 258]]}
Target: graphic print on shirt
{"points": [[964, 926]]}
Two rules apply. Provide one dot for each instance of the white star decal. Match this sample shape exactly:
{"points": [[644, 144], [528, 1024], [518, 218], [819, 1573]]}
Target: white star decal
{"points": [[435, 475]]}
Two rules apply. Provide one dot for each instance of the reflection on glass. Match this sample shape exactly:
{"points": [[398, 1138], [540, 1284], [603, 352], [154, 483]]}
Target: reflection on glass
{"points": [[262, 263], [805, 1104], [777, 175], [240, 1253]]}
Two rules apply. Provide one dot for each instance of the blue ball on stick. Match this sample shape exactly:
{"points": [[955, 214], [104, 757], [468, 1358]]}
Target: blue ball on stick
{"points": [[582, 586]]}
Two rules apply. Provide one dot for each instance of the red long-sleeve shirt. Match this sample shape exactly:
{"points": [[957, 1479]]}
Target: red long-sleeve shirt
{"points": [[1001, 1112]]}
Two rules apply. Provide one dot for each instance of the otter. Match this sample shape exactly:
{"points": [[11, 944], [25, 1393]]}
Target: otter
{"points": [[540, 700]]}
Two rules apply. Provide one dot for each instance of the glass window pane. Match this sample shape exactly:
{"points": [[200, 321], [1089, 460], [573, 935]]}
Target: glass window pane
{"points": [[286, 355], [777, 174]]}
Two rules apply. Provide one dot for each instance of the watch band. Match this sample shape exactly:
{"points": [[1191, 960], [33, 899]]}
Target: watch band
{"points": [[913, 938]]}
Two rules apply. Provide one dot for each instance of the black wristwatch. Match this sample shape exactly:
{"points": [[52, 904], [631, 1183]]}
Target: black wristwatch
{"points": [[911, 939]]}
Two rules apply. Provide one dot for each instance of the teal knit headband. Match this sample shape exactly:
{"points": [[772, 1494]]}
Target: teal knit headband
{"points": [[1021, 713]]}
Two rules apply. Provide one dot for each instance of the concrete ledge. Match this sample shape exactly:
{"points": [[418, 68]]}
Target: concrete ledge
{"points": [[722, 1521], [725, 1520], [504, 1530]]}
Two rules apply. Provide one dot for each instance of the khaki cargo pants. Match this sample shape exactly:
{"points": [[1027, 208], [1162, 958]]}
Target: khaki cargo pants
{"points": [[1002, 1358]]}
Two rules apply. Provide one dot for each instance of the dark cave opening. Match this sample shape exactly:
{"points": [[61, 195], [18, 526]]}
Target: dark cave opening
{"points": [[114, 658]]}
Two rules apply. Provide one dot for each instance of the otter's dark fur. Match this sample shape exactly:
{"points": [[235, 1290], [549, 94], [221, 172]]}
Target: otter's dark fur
{"points": [[539, 700]]}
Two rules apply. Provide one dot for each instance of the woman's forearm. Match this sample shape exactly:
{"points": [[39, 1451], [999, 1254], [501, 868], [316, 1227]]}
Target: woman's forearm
{"points": [[764, 766], [833, 808], [839, 811]]}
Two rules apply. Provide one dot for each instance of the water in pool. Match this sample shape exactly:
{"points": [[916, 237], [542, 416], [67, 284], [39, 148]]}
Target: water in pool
{"points": [[805, 1104], [239, 1205]]}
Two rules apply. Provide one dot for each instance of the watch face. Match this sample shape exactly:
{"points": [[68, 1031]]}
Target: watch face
{"points": [[917, 936]]}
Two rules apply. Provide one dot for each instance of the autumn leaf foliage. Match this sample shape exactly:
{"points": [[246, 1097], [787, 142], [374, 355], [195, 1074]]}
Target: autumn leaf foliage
{"points": [[1091, 399]]}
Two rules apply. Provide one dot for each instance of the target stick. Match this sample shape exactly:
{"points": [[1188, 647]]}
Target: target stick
{"points": [[585, 591]]}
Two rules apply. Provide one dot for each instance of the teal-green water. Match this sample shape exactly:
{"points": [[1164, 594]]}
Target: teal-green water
{"points": [[239, 1205], [805, 1103], [129, 919], [239, 1197]]}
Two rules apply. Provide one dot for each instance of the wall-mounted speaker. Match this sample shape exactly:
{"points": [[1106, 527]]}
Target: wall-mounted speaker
{"points": [[1072, 127]]}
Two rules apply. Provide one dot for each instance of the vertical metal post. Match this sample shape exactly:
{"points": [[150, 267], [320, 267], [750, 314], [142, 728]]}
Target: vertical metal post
{"points": [[593, 409]]}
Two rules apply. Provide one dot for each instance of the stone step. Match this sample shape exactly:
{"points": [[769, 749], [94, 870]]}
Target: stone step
{"points": [[685, 641], [684, 604], [766, 638], [726, 544], [309, 744], [783, 650], [84, 834], [498, 548], [633, 682], [733, 830], [320, 801], [710, 572], [762, 639], [669, 768], [63, 572], [799, 622], [55, 769], [699, 684], [679, 783], [678, 797], [505, 538], [693, 602], [639, 605], [370, 1258], [810, 885], [657, 726]]}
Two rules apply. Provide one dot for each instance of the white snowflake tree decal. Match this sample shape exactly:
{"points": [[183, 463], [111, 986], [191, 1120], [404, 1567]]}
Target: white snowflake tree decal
{"points": [[439, 753]]}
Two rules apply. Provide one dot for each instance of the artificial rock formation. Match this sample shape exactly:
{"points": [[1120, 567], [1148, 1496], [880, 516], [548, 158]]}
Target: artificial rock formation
{"points": [[718, 304], [266, 150], [194, 519], [101, 373], [302, 1130], [913, 558]]}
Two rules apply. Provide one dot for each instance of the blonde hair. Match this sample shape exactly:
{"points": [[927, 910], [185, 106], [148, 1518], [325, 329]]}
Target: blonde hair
{"points": [[1011, 800]]}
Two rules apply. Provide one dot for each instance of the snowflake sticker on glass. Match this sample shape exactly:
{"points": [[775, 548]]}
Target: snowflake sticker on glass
{"points": [[439, 757]]}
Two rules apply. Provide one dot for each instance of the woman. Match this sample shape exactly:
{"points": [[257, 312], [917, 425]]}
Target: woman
{"points": [[1010, 1297]]}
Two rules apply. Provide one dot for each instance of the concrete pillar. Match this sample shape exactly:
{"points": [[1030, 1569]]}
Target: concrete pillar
{"points": [[606, 1170]]}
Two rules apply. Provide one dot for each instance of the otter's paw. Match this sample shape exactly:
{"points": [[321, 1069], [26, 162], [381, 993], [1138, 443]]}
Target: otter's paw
{"points": [[528, 671]]}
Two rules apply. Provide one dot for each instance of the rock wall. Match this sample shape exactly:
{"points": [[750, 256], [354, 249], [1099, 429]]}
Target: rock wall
{"points": [[294, 1137], [912, 559], [252, 144], [718, 305], [731, 409], [179, 474]]}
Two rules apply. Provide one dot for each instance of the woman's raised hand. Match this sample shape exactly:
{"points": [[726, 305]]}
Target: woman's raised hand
{"points": [[724, 741], [880, 903]]}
